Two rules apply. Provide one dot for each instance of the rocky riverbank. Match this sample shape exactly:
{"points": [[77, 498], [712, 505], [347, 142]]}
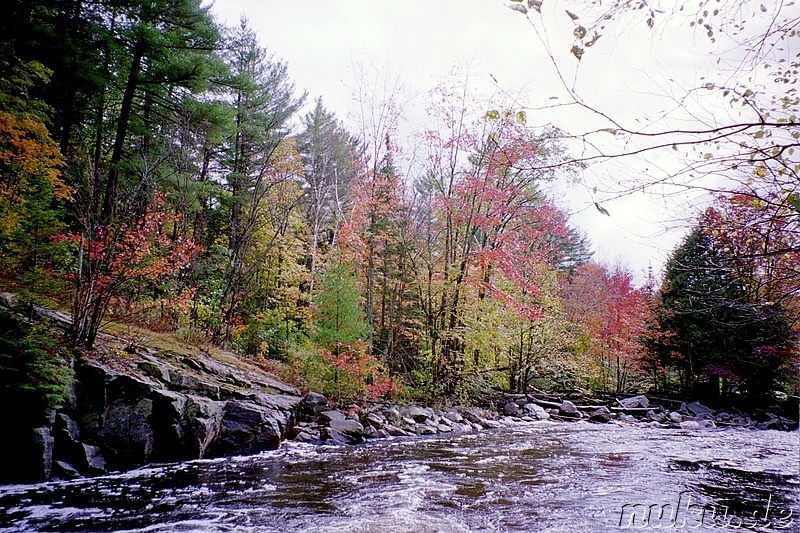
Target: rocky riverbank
{"points": [[317, 423], [131, 404]]}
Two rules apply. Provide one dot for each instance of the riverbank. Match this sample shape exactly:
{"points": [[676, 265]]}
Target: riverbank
{"points": [[319, 424], [144, 399]]}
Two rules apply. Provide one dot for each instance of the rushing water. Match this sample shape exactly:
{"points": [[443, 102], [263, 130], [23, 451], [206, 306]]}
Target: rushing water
{"points": [[525, 477]]}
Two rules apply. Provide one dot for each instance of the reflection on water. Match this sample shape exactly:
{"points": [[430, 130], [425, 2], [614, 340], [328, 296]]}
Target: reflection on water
{"points": [[528, 477]]}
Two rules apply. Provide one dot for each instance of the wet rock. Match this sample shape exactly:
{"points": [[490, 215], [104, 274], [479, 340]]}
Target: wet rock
{"points": [[41, 453], [375, 420], [203, 422], [675, 417], [246, 428], [511, 409], [425, 429], [626, 418], [309, 435], [537, 411], [699, 410], [690, 424], [635, 402], [127, 434], [92, 460], [568, 409], [394, 431], [657, 417], [344, 431], [601, 414], [64, 470]]}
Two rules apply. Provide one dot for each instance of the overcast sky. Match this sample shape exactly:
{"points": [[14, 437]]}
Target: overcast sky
{"points": [[633, 72]]}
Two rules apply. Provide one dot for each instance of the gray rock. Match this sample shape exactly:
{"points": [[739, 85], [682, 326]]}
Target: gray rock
{"points": [[417, 414], [395, 431], [569, 410], [64, 470], [203, 423], [690, 424], [601, 414], [675, 417], [392, 415], [623, 417], [330, 416], [699, 410], [127, 434], [453, 416], [511, 409], [93, 461], [375, 420], [425, 429], [42, 453], [537, 411], [344, 431], [309, 435], [635, 402], [246, 428], [313, 404]]}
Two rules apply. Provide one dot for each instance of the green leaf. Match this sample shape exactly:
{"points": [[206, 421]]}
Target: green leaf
{"points": [[493, 114], [521, 117], [577, 51]]}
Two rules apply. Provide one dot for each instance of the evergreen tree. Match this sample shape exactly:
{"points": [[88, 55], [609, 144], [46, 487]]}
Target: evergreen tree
{"points": [[339, 318], [708, 329]]}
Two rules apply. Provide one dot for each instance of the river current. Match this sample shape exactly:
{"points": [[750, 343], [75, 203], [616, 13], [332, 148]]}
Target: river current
{"points": [[534, 477]]}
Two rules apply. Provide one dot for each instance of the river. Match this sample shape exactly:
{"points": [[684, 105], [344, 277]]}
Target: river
{"points": [[535, 477]]}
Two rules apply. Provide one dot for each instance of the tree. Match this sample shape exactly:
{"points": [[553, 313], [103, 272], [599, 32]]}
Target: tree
{"points": [[327, 151], [264, 101], [339, 318], [709, 330], [30, 171]]}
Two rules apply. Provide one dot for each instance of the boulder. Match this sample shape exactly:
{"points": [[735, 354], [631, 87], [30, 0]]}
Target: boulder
{"points": [[246, 428], [92, 460], [330, 416], [635, 402], [376, 420], [568, 409], [313, 404], [309, 435], [675, 417], [41, 453], [690, 424], [699, 410], [453, 416], [64, 470], [344, 431], [511, 409], [601, 414], [417, 414], [536, 410], [623, 417]]}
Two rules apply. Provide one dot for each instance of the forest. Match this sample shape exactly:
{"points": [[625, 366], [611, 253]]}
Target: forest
{"points": [[162, 171]]}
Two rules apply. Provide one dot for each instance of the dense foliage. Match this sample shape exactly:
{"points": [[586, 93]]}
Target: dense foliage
{"points": [[154, 168]]}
